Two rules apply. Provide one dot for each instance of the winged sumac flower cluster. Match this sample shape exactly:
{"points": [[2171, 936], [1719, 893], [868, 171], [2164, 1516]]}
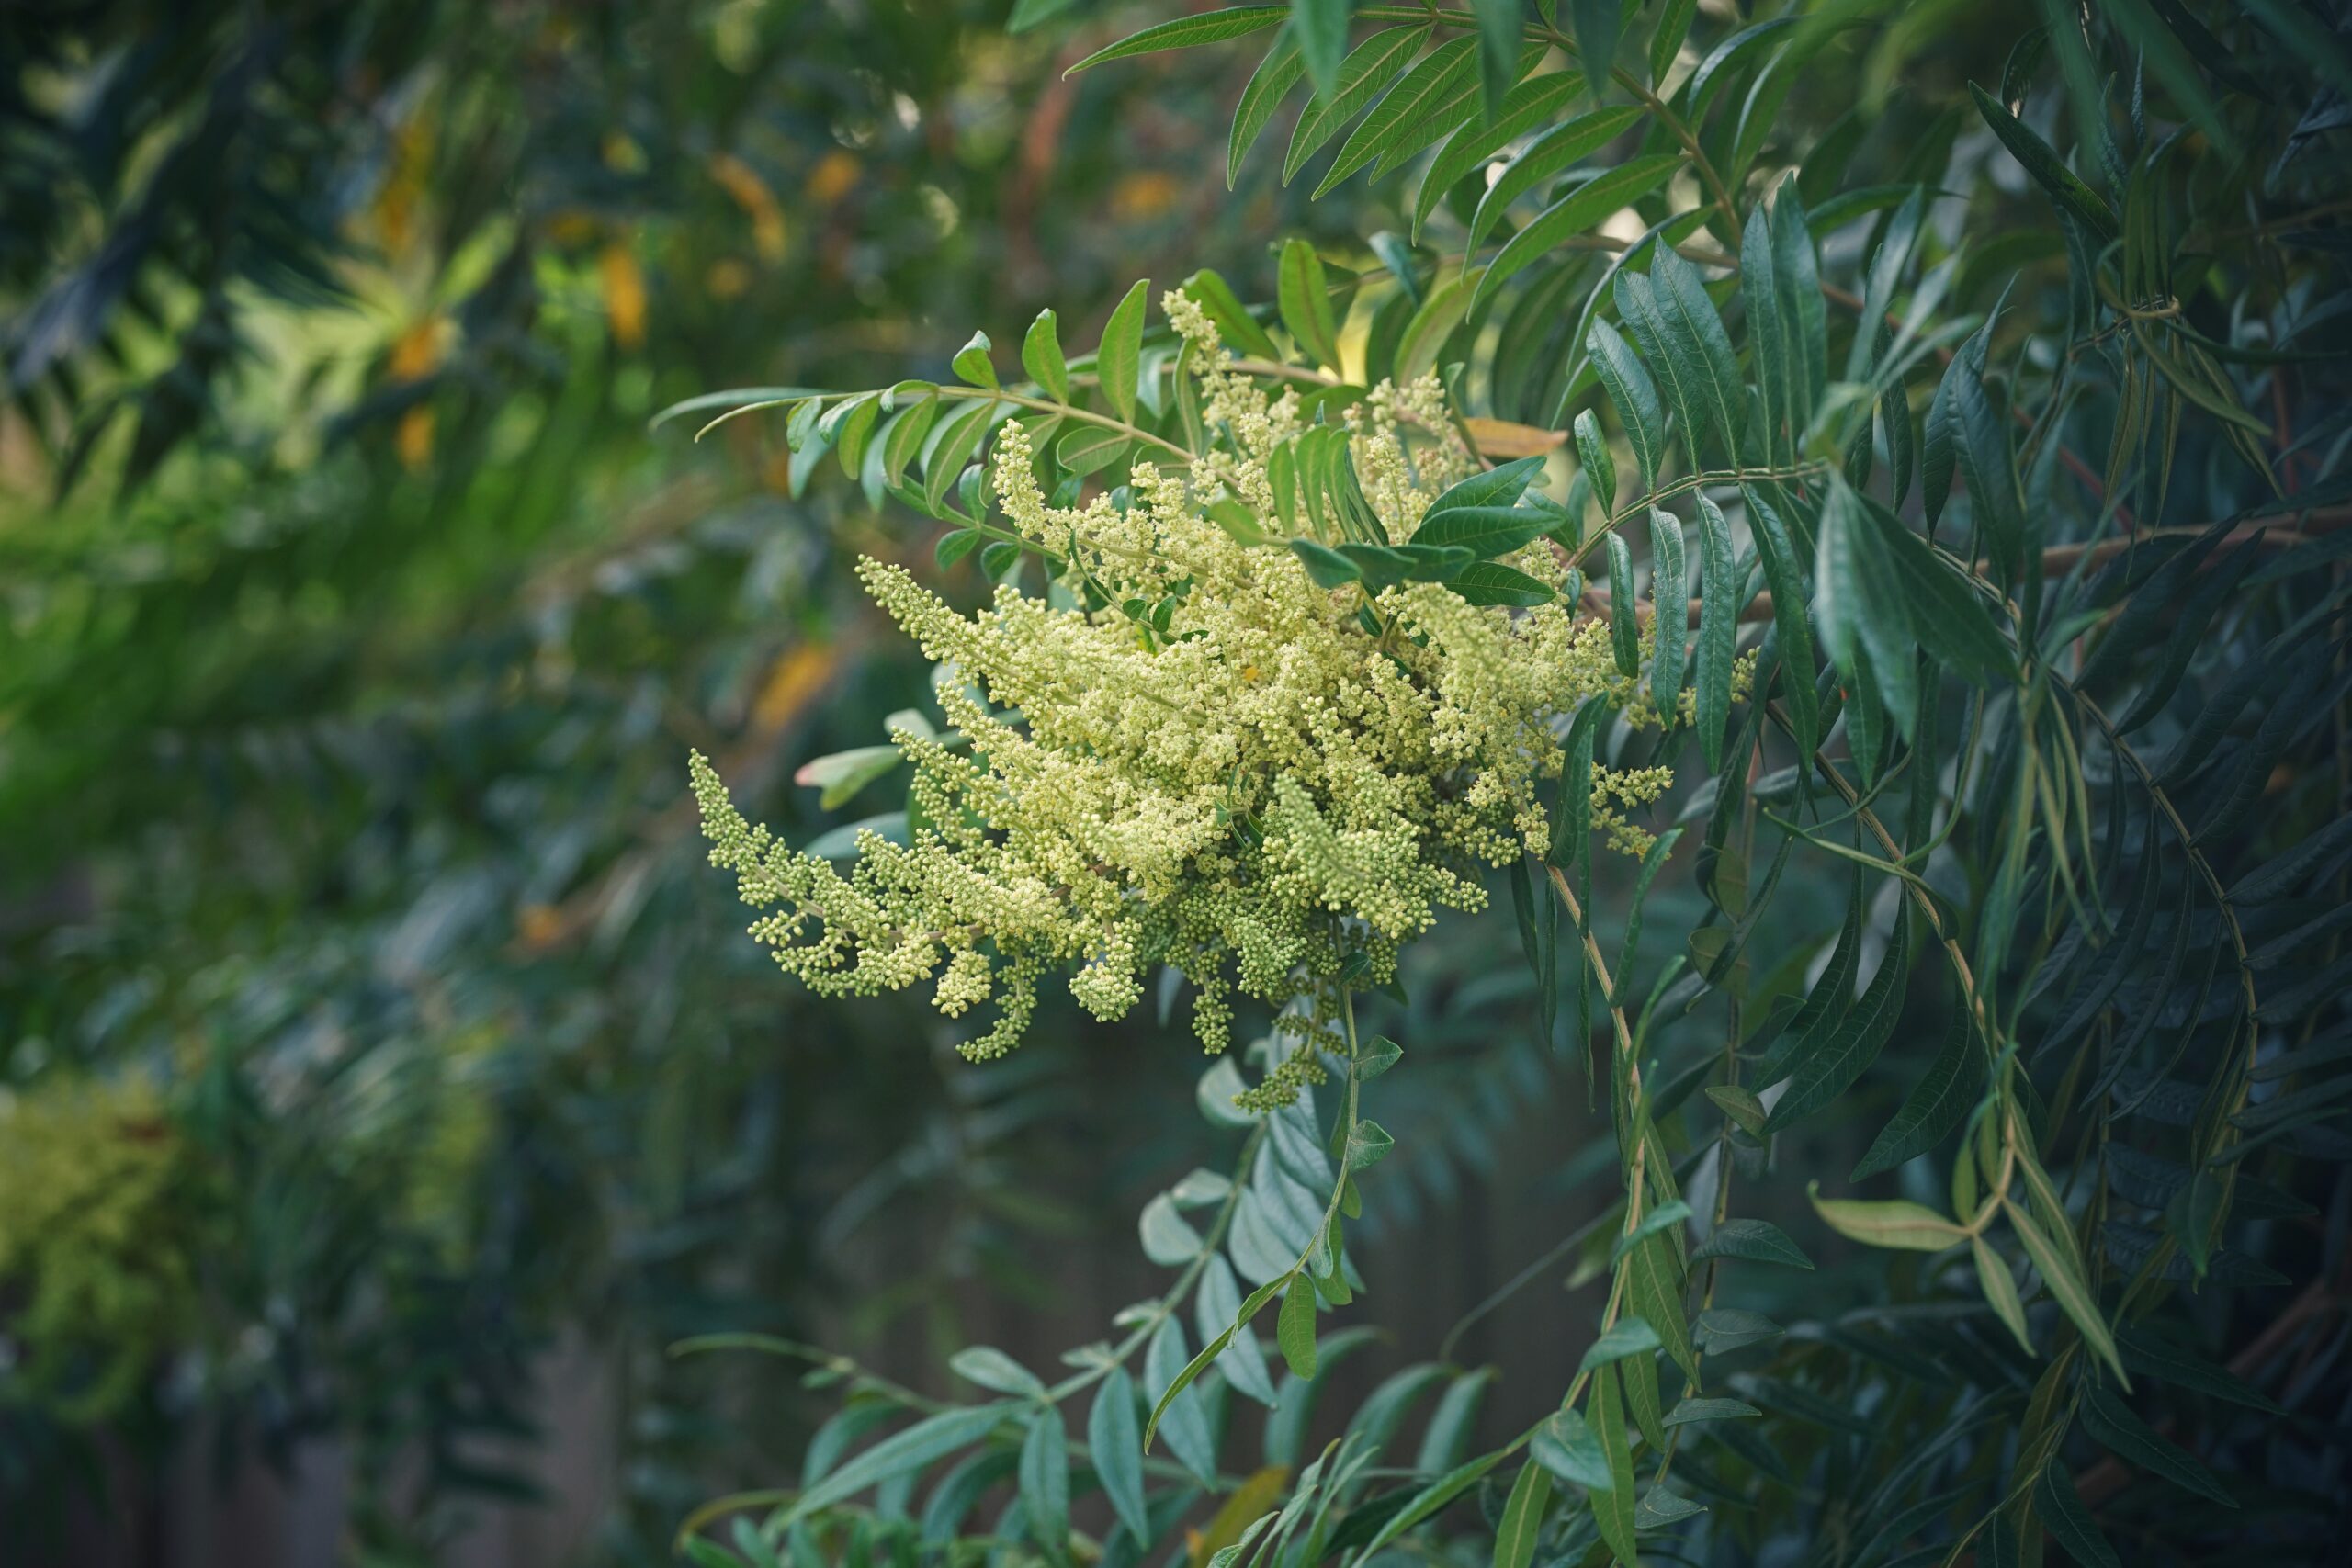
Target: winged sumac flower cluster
{"points": [[1193, 753]]}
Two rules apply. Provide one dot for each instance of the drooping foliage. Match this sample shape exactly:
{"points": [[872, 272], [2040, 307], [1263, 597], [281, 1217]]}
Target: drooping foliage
{"points": [[1941, 430], [373, 1070]]}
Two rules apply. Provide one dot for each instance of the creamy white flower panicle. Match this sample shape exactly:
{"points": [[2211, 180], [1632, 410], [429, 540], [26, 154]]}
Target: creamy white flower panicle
{"points": [[1261, 794]]}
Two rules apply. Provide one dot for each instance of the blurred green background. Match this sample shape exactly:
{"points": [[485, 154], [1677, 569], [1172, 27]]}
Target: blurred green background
{"points": [[385, 1080]]}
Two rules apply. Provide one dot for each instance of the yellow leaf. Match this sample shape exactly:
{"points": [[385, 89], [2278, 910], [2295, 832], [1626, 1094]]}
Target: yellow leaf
{"points": [[1500, 438], [1143, 195], [1252, 1498], [412, 438], [624, 283], [832, 177], [793, 682], [752, 193], [540, 926], [728, 279], [418, 352]]}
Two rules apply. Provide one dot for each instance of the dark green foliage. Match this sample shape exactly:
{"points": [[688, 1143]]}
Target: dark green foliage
{"points": [[2077, 1033]]}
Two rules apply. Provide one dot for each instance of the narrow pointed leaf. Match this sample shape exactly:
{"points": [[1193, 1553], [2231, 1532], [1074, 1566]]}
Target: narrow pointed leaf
{"points": [[1268, 84], [1576, 213], [1118, 360], [1306, 299], [1186, 32], [1522, 1521], [2064, 1276], [1893, 1223], [1550, 153]]}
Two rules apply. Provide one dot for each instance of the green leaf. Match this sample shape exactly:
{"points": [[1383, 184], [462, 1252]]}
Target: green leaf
{"points": [[1430, 1499], [1044, 1483], [1499, 486], [841, 776], [1724, 1329], [952, 548], [1669, 588], [1628, 1335], [1624, 630], [1719, 592], [1613, 1510], [1444, 74], [993, 1370], [1987, 459], [1028, 14], [1687, 1411], [1116, 361], [1522, 1521], [973, 364], [1525, 106], [1451, 1423], [1214, 1095], [1797, 283], [1635, 397], [1167, 1239], [2113, 1422], [1321, 29], [1214, 295], [1859, 608], [1664, 1217], [2074, 197], [1089, 449], [1377, 1057], [1895, 1223], [952, 449], [2064, 1276], [1484, 531], [1548, 155], [1598, 24], [1368, 1144], [1673, 28], [1592, 451], [1577, 214], [1326, 566], [1180, 1411], [1188, 33], [1693, 331], [1565, 1444], [2060, 1508], [1499, 37], [1935, 1104], [1041, 355], [1306, 301], [1365, 75], [1268, 84], [1491, 582], [905, 437], [1757, 1241], [998, 560], [1783, 576], [1425, 335], [1215, 1305], [1778, 366], [1295, 1329], [2000, 1288], [901, 1453], [1951, 618], [1739, 1105], [2145, 1352], [850, 425], [1659, 1507], [1116, 1444], [1832, 1059]]}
